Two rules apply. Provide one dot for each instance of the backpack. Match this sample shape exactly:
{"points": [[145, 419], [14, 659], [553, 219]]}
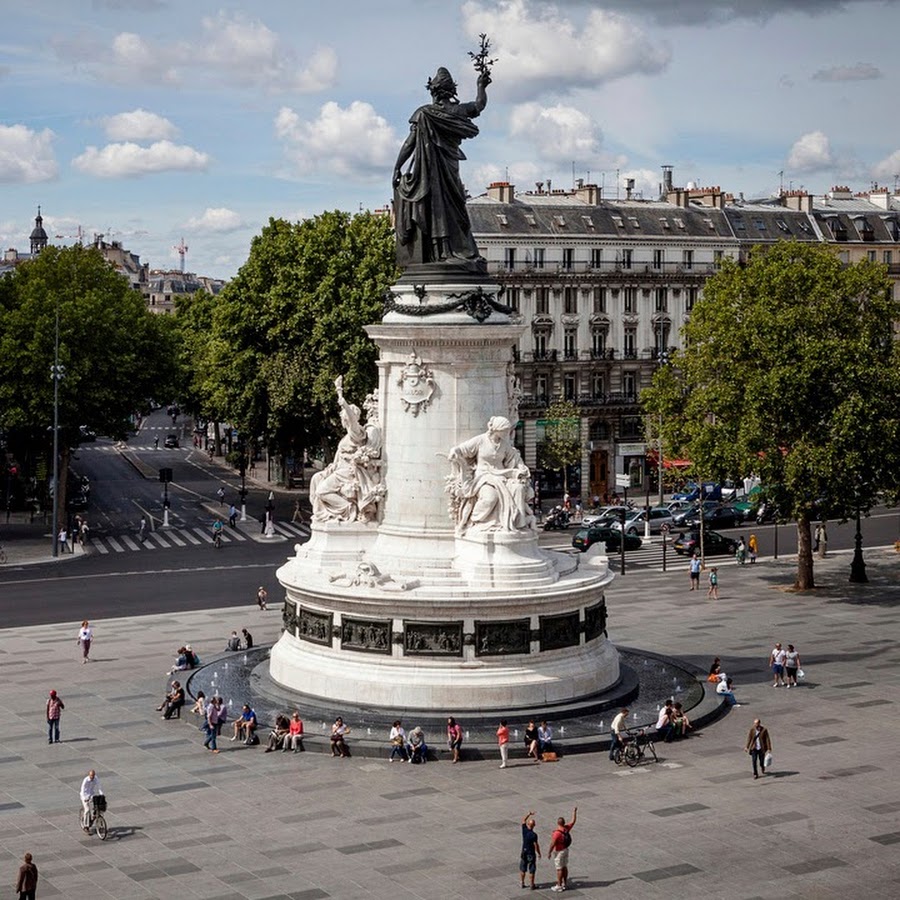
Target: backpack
{"points": [[567, 839]]}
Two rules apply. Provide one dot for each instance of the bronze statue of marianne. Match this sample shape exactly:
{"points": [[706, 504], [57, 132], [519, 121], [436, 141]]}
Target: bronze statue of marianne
{"points": [[432, 222]]}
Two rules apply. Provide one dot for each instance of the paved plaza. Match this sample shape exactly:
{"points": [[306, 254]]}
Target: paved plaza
{"points": [[244, 824]]}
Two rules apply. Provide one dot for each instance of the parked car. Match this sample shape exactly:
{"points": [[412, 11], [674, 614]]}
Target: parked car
{"points": [[679, 519], [586, 537], [86, 434], [720, 517], [711, 491], [714, 544], [602, 512], [677, 506], [171, 440]]}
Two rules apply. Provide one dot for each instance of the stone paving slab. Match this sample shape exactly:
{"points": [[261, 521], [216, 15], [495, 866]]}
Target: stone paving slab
{"points": [[243, 825]]}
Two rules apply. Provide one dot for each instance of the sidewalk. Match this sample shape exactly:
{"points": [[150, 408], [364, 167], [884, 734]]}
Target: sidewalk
{"points": [[245, 824]]}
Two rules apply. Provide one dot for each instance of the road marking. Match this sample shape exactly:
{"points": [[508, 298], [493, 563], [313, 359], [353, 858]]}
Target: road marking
{"points": [[180, 571], [188, 536], [205, 536], [100, 547], [159, 539], [129, 543], [116, 545], [236, 535], [173, 537]]}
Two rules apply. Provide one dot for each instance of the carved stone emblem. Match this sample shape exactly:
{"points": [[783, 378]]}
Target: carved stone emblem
{"points": [[416, 385], [367, 575], [502, 638], [289, 618], [369, 635], [433, 638]]}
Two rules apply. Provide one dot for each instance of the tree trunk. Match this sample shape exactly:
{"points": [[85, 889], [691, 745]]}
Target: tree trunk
{"points": [[805, 579], [217, 439]]}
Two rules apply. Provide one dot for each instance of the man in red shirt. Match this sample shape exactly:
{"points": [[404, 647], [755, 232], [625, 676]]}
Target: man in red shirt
{"points": [[559, 844]]}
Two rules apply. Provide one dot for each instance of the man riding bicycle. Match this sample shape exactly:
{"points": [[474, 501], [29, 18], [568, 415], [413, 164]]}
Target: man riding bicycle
{"points": [[90, 788], [218, 528]]}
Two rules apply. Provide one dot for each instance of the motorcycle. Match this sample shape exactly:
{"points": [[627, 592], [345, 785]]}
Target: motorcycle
{"points": [[557, 520]]}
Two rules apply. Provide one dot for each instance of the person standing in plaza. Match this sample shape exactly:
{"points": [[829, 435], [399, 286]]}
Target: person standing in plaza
{"points": [[713, 592], [753, 547], [741, 552], [776, 661], [559, 844], [63, 538], [758, 745], [616, 730], [26, 882], [503, 743], [211, 725], [55, 706], [262, 598], [695, 572], [531, 849], [85, 638], [454, 738], [232, 515]]}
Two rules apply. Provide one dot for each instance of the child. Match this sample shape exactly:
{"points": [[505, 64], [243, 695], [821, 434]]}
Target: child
{"points": [[713, 591]]}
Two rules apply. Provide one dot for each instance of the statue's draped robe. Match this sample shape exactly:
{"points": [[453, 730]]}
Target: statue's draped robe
{"points": [[430, 201]]}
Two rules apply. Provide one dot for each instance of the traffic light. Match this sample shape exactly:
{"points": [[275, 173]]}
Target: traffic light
{"points": [[165, 475]]}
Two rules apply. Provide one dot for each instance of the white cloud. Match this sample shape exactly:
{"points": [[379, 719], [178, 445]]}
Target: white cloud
{"points": [[352, 141], [521, 174], [129, 160], [540, 49], [888, 167], [218, 219], [859, 72], [26, 156], [559, 133], [229, 48], [810, 153], [138, 125]]}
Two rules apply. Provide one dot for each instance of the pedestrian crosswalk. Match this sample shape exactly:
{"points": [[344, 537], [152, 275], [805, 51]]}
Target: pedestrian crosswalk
{"points": [[170, 538], [650, 555]]}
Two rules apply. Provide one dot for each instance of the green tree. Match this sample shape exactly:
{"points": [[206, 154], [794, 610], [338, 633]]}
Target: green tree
{"points": [[790, 372], [291, 321], [116, 354], [562, 445]]}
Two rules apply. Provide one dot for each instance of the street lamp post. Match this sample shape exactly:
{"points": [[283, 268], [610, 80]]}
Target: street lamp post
{"points": [[858, 564], [57, 372], [243, 451]]}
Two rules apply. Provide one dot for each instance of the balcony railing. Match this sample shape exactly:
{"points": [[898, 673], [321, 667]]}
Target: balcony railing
{"points": [[615, 398], [581, 267]]}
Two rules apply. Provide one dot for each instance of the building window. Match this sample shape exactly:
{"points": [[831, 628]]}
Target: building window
{"points": [[690, 298], [509, 258], [844, 255], [542, 301], [570, 300], [540, 387], [598, 385], [630, 345], [658, 259], [629, 384], [887, 257], [598, 342], [596, 257], [661, 299], [570, 343], [718, 256], [540, 345], [632, 426], [600, 299], [568, 258], [689, 259], [631, 299], [539, 257], [871, 255], [627, 258], [569, 387], [511, 298]]}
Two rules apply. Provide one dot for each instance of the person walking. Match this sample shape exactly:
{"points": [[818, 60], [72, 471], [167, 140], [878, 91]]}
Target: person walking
{"points": [[27, 880], [232, 515], [54, 707], [713, 592], [753, 547], [156, 443], [821, 545], [741, 552], [758, 745], [695, 572], [503, 743], [211, 726], [63, 538], [297, 515], [142, 530], [559, 844], [776, 661], [262, 598], [791, 665], [220, 493], [531, 849], [85, 637]]}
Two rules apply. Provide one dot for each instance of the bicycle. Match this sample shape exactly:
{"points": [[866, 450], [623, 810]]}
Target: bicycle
{"points": [[217, 539], [96, 817], [2, 555], [636, 745]]}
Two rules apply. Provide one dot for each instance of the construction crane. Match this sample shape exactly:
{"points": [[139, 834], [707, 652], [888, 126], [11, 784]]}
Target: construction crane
{"points": [[181, 249], [79, 234]]}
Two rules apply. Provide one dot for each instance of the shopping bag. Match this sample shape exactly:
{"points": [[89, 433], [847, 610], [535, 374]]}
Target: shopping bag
{"points": [[801, 673], [767, 759]]}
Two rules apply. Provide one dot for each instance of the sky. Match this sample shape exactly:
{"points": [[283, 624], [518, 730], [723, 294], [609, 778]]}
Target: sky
{"points": [[153, 121]]}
